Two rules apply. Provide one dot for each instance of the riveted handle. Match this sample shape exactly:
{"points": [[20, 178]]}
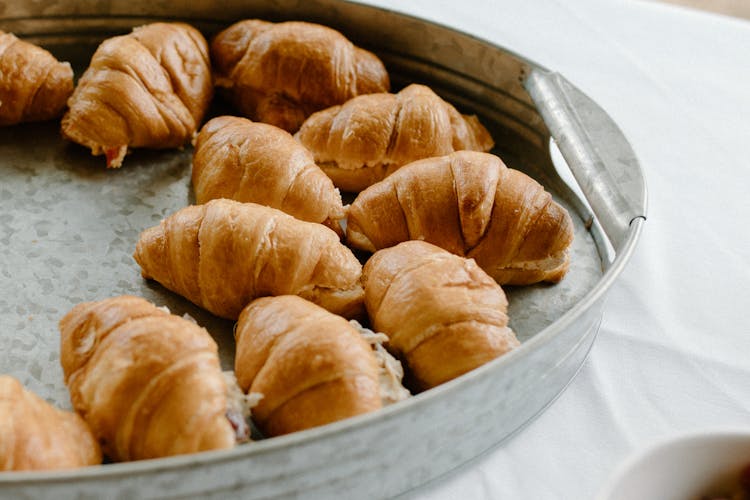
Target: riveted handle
{"points": [[596, 151]]}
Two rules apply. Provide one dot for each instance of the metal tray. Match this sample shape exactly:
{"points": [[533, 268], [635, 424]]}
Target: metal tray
{"points": [[68, 228]]}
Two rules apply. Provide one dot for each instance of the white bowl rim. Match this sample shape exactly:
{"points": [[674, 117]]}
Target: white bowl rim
{"points": [[626, 467]]}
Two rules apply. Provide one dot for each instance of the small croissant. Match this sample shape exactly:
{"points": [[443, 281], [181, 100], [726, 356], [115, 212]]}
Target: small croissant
{"points": [[312, 367], [34, 86], [148, 382], [471, 204], [35, 435], [223, 254], [443, 315], [369, 137], [245, 161], [147, 89], [280, 73]]}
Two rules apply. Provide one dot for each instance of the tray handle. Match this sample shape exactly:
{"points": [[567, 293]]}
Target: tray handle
{"points": [[596, 151]]}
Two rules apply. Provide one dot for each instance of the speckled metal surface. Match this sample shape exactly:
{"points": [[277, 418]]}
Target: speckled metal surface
{"points": [[68, 229], [67, 233]]}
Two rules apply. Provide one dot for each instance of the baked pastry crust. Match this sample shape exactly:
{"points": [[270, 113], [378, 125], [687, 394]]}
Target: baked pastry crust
{"points": [[443, 315], [223, 254], [470, 204], [246, 161], [280, 73], [37, 436], [147, 382], [312, 367], [147, 89], [34, 86], [370, 137]]}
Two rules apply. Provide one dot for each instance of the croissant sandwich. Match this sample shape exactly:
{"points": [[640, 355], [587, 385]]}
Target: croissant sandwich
{"points": [[369, 137], [312, 367], [443, 315], [34, 435], [224, 254], [147, 382], [254, 162], [280, 73], [147, 89], [471, 204], [34, 86]]}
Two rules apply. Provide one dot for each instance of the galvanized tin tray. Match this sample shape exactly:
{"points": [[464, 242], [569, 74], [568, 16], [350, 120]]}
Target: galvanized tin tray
{"points": [[68, 228]]}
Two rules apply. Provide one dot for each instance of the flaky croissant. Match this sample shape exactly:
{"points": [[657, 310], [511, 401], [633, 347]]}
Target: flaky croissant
{"points": [[280, 73], [312, 367], [34, 86], [35, 435], [245, 161], [471, 204], [443, 315], [148, 89], [223, 254], [147, 382], [371, 136]]}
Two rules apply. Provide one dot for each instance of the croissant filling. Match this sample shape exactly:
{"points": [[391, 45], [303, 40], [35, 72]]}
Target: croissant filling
{"points": [[391, 373], [239, 407], [358, 165]]}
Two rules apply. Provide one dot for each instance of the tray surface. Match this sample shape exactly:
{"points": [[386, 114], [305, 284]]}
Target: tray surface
{"points": [[68, 230]]}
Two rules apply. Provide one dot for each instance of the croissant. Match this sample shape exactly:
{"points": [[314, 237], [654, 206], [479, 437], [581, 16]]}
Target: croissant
{"points": [[147, 382], [281, 73], [224, 254], [148, 89], [443, 315], [38, 436], [237, 159], [312, 367], [369, 137], [34, 86], [471, 204]]}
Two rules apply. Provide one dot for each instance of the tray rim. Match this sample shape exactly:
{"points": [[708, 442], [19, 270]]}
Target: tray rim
{"points": [[239, 453]]}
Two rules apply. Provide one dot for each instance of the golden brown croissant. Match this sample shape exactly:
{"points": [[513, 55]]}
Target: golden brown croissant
{"points": [[147, 382], [443, 315], [369, 137], [471, 204], [147, 89], [312, 367], [34, 86], [254, 162], [35, 435], [224, 254], [281, 73]]}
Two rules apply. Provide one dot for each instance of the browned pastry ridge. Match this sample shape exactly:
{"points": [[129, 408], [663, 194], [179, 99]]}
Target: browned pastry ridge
{"points": [[147, 382], [224, 254], [280, 73], [471, 204], [443, 315], [34, 86], [35, 435], [371, 136], [241, 160], [147, 89], [312, 367]]}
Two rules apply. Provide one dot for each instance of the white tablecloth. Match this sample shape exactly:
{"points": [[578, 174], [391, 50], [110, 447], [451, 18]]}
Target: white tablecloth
{"points": [[673, 351]]}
